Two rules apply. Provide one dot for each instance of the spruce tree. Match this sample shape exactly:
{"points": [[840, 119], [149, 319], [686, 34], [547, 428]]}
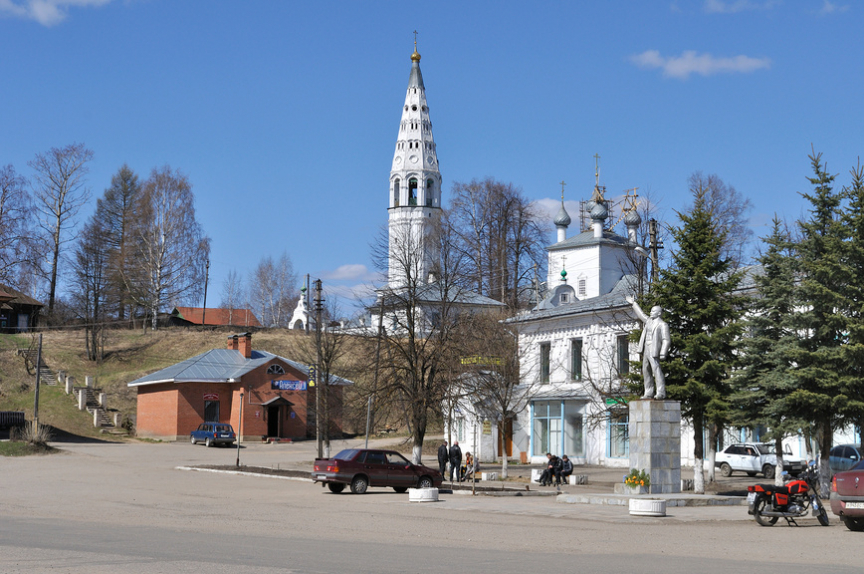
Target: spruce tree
{"points": [[819, 322], [852, 352], [697, 294], [765, 378]]}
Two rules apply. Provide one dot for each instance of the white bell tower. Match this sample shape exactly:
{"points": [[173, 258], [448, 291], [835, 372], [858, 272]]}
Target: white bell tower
{"points": [[415, 188]]}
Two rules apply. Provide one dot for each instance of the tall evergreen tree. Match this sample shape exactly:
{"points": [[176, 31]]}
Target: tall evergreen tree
{"points": [[116, 210], [765, 379], [852, 352], [697, 295], [820, 359]]}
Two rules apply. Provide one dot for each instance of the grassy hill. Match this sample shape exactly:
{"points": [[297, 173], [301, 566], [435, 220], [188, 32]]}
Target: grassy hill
{"points": [[128, 356]]}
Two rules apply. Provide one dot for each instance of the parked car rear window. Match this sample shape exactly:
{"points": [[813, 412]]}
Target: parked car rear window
{"points": [[347, 454]]}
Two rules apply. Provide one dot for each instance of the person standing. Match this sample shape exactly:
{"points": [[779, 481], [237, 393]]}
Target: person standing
{"points": [[455, 459], [443, 456]]}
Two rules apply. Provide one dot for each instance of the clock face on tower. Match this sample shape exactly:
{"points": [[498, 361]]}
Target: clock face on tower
{"points": [[413, 159], [398, 159]]}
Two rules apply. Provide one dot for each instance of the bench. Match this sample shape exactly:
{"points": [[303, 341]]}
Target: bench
{"points": [[9, 419]]}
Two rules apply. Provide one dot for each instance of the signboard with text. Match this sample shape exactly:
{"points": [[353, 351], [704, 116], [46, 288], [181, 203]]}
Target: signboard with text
{"points": [[211, 396], [288, 385]]}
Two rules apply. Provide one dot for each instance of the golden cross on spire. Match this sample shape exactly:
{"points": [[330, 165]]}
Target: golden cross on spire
{"points": [[562, 190], [415, 40]]}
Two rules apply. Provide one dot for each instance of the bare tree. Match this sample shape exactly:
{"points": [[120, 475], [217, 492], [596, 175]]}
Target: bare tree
{"points": [[233, 294], [729, 209], [171, 248], [91, 272], [421, 320], [501, 236], [273, 290], [16, 220], [60, 193]]}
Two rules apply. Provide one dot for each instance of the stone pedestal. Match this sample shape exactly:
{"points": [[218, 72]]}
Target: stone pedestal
{"points": [[655, 443]]}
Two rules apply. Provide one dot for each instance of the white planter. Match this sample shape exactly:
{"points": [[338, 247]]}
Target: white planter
{"points": [[489, 476], [647, 507], [422, 495], [535, 474]]}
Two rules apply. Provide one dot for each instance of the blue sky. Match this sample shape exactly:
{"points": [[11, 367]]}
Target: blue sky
{"points": [[284, 115]]}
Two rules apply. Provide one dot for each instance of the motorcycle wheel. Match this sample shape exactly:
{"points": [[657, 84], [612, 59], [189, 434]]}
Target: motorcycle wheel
{"points": [[758, 507], [822, 515]]}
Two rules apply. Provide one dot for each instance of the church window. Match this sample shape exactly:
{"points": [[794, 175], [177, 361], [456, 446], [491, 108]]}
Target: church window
{"points": [[576, 359], [623, 344], [414, 108], [412, 191], [424, 108], [545, 353], [396, 193], [582, 290], [430, 192]]}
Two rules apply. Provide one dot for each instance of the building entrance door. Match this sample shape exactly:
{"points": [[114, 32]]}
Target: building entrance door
{"points": [[274, 416], [211, 411]]}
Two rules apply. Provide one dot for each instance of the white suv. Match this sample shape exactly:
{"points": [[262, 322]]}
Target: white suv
{"points": [[753, 458]]}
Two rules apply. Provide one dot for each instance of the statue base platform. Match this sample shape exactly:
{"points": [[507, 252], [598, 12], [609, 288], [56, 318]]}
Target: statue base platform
{"points": [[655, 443]]}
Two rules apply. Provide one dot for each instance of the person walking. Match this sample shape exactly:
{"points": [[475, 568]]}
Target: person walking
{"points": [[455, 459], [443, 456]]}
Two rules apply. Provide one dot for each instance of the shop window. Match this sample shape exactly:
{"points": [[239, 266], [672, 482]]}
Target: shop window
{"points": [[618, 433], [546, 428], [576, 359], [574, 425], [545, 354]]}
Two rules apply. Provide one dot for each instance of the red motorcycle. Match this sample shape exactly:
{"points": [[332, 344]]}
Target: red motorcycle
{"points": [[768, 503]]}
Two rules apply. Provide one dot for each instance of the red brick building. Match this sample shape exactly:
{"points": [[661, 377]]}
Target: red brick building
{"points": [[278, 400]]}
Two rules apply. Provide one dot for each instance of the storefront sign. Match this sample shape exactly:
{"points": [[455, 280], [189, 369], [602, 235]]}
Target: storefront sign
{"points": [[288, 385], [211, 396], [487, 427]]}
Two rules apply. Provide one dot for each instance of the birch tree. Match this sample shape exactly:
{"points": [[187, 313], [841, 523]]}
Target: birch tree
{"points": [[273, 290], [17, 242], [59, 192], [171, 247]]}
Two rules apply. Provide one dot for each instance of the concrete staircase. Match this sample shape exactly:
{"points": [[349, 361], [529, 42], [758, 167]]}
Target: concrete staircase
{"points": [[89, 398], [46, 375]]}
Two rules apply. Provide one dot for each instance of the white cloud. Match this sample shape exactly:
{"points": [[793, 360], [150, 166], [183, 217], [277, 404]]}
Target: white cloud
{"points": [[548, 209], [46, 12], [348, 272], [832, 8], [690, 62], [732, 7]]}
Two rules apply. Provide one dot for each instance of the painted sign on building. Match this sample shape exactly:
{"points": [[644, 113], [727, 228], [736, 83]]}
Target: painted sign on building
{"points": [[288, 385], [211, 396]]}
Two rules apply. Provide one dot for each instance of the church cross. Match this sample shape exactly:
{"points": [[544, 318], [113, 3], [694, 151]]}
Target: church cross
{"points": [[562, 189]]}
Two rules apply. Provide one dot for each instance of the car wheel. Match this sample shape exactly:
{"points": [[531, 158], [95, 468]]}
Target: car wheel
{"points": [[208, 443], [335, 487], [854, 524], [359, 484], [193, 440], [768, 470], [758, 507], [725, 469], [400, 489], [425, 482]]}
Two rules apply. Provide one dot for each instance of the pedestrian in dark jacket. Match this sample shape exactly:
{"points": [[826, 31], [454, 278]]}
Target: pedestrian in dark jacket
{"points": [[566, 469], [443, 457], [455, 459]]}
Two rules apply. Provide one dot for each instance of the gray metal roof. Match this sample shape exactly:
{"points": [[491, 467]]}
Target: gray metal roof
{"points": [[220, 366], [432, 293], [587, 238], [415, 80], [616, 298]]}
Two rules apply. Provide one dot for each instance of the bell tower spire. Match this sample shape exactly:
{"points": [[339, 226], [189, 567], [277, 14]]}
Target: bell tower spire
{"points": [[415, 186]]}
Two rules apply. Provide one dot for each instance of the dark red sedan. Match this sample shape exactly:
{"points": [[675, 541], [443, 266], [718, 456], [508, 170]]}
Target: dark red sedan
{"points": [[847, 497], [361, 468]]}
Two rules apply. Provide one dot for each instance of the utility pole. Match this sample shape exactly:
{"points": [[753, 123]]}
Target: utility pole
{"points": [[38, 376], [654, 244], [319, 300], [377, 364], [206, 280], [239, 429]]}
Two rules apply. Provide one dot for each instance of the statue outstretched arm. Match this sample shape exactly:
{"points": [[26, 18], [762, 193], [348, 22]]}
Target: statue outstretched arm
{"points": [[638, 310]]}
